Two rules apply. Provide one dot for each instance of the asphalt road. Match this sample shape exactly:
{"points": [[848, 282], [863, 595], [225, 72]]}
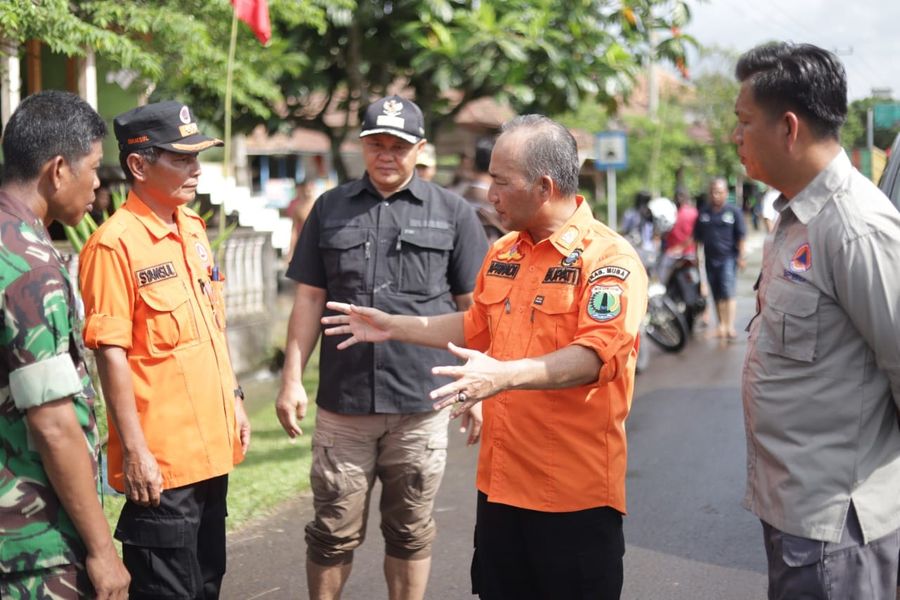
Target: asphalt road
{"points": [[687, 536]]}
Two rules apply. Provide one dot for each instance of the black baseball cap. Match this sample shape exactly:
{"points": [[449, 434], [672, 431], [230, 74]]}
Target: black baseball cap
{"points": [[168, 125], [395, 116]]}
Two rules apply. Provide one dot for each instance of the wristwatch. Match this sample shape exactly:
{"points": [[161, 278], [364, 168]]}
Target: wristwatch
{"points": [[239, 392]]}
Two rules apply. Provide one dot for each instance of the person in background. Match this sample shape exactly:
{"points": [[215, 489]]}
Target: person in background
{"points": [[767, 208], [155, 316], [426, 162], [551, 346], [298, 210], [679, 241], [821, 380], [54, 537], [720, 232], [397, 242], [477, 191]]}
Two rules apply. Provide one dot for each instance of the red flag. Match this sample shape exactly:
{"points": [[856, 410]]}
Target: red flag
{"points": [[255, 13]]}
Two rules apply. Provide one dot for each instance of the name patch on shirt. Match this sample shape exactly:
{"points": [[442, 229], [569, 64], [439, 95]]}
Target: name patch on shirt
{"points": [[503, 269], [430, 223], [791, 276], [609, 271], [154, 274], [566, 275]]}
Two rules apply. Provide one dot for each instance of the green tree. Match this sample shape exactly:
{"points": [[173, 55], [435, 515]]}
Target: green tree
{"points": [[713, 109], [179, 47], [540, 55], [853, 133]]}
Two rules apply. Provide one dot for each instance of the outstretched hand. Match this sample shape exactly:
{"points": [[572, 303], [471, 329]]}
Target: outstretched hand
{"points": [[362, 323], [478, 379]]}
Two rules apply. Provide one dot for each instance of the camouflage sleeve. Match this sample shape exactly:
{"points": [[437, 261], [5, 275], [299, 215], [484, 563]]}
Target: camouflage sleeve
{"points": [[35, 345]]}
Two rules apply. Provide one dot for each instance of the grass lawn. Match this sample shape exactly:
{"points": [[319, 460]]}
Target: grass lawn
{"points": [[275, 469]]}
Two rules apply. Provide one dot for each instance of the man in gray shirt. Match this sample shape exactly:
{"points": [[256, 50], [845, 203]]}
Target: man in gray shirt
{"points": [[822, 375]]}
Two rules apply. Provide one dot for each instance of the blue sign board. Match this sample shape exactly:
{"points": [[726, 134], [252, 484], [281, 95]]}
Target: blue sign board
{"points": [[612, 150]]}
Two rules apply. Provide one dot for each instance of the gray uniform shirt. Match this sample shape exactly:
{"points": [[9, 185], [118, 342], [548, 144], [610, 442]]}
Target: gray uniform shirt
{"points": [[408, 254], [822, 374]]}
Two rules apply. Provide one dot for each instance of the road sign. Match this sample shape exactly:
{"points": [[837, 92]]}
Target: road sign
{"points": [[887, 115], [612, 150]]}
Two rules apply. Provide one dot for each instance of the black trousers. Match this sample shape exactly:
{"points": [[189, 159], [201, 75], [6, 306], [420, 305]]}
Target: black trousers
{"points": [[524, 554], [176, 549]]}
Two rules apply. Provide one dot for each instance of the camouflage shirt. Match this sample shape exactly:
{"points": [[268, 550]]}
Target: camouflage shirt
{"points": [[40, 361]]}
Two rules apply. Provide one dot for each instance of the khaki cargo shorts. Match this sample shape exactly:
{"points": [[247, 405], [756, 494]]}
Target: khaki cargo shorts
{"points": [[406, 452]]}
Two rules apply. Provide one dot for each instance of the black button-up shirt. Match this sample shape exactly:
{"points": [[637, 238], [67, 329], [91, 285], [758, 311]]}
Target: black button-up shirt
{"points": [[408, 254]]}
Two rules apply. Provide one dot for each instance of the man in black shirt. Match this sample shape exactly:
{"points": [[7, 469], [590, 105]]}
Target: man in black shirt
{"points": [[401, 244]]}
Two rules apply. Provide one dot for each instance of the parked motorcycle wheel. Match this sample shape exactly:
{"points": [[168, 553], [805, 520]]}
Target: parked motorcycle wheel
{"points": [[665, 325]]}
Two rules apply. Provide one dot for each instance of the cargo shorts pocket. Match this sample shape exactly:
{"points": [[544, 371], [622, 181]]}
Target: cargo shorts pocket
{"points": [[325, 476], [424, 477], [156, 553]]}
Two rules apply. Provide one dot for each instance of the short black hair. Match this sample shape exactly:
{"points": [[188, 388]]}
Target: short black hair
{"points": [[801, 78], [48, 124], [483, 148], [150, 154]]}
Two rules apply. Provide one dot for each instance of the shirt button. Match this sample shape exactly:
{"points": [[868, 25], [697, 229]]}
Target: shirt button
{"points": [[379, 366], [387, 203]]}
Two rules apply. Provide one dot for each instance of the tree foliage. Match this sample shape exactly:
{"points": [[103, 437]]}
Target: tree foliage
{"points": [[178, 47], [539, 55], [854, 131]]}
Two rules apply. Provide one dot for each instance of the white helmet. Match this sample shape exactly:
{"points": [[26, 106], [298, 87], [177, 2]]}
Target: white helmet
{"points": [[664, 212]]}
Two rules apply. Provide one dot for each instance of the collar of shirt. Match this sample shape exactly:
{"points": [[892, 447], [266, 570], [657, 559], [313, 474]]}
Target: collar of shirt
{"points": [[149, 219], [817, 192], [416, 187], [18, 209], [568, 237]]}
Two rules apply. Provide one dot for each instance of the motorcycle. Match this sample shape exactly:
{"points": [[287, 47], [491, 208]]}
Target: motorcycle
{"points": [[683, 287], [664, 323]]}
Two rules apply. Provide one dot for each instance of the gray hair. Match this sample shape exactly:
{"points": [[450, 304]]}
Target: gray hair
{"points": [[547, 149]]}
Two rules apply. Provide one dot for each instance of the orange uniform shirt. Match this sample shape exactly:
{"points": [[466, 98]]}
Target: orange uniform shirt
{"points": [[147, 289], [559, 450]]}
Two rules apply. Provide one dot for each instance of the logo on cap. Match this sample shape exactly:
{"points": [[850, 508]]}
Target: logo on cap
{"points": [[185, 115], [391, 116]]}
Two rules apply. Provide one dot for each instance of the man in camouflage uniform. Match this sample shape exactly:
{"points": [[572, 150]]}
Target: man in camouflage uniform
{"points": [[54, 539]]}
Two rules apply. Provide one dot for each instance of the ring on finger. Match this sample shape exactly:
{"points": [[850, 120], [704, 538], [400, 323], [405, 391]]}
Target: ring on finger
{"points": [[461, 397]]}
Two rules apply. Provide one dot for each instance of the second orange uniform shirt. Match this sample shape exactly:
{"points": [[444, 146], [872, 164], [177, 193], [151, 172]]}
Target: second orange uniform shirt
{"points": [[559, 450], [150, 291]]}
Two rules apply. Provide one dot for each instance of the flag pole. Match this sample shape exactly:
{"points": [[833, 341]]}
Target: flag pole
{"points": [[226, 164]]}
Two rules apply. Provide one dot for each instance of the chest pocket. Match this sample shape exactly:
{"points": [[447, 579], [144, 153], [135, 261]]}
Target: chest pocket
{"points": [[346, 254], [495, 299], [790, 321], [554, 320], [424, 260], [171, 323]]}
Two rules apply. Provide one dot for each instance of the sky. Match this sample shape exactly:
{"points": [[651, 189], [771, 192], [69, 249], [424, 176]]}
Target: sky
{"points": [[865, 34]]}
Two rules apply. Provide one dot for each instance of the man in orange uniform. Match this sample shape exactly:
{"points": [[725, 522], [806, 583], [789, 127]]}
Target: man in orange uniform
{"points": [[154, 313], [552, 340]]}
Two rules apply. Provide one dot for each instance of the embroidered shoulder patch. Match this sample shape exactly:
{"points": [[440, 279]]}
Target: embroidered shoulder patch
{"points": [[609, 271], [605, 303], [155, 273]]}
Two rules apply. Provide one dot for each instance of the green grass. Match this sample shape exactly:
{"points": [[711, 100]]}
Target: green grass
{"points": [[275, 469]]}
